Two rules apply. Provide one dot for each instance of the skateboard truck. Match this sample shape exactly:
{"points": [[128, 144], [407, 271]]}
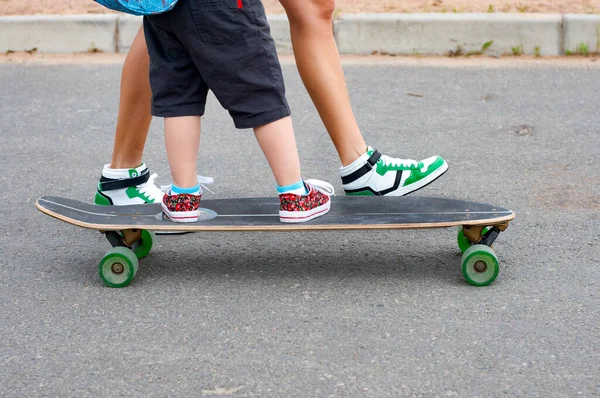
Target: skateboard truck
{"points": [[476, 236], [128, 238]]}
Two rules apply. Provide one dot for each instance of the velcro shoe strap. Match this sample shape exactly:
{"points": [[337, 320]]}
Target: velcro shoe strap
{"points": [[363, 170], [107, 184]]}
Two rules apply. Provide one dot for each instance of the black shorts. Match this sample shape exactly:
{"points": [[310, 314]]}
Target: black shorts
{"points": [[221, 45]]}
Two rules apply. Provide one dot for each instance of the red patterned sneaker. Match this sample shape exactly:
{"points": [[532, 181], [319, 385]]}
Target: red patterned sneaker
{"points": [[301, 208], [182, 207]]}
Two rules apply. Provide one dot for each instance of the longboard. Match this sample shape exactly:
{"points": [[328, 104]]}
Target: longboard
{"points": [[128, 228]]}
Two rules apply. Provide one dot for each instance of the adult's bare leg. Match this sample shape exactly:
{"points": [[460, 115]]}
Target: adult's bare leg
{"points": [[321, 70], [137, 185], [320, 67], [134, 108]]}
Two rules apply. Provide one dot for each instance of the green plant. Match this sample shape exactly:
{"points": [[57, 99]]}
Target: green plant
{"points": [[485, 46], [537, 51], [583, 49], [521, 8], [490, 8], [518, 50]]}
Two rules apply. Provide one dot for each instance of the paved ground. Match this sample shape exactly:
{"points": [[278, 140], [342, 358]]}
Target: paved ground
{"points": [[314, 314]]}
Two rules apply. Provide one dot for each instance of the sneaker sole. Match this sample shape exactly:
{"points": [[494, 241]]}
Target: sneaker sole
{"points": [[181, 216], [295, 217]]}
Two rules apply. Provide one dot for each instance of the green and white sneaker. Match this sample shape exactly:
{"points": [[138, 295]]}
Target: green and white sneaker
{"points": [[376, 174], [120, 187]]}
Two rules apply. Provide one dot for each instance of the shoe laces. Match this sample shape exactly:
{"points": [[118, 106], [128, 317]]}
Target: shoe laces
{"points": [[396, 162], [202, 180], [322, 186], [150, 189]]}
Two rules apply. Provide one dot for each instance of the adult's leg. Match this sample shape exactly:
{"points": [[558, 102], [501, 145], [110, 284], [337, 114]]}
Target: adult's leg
{"points": [[133, 122], [321, 70], [320, 67], [134, 108]]}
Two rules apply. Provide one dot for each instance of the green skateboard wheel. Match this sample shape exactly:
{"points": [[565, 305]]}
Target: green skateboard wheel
{"points": [[118, 267], [480, 265], [145, 244]]}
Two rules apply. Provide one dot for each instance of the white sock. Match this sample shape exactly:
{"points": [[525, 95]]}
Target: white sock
{"points": [[119, 174], [357, 164]]}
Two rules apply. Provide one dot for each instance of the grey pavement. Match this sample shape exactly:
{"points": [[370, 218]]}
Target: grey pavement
{"points": [[312, 314]]}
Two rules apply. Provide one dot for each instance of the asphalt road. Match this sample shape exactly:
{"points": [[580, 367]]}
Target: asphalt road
{"points": [[312, 314]]}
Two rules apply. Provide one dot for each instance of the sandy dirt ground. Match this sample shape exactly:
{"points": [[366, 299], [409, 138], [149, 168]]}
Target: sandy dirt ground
{"points": [[29, 7]]}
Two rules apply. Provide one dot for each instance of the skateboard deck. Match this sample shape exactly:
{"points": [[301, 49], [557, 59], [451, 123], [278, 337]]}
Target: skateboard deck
{"points": [[261, 214], [128, 228]]}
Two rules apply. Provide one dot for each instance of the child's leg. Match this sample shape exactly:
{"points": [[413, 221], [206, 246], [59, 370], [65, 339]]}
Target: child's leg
{"points": [[236, 57], [182, 138], [178, 96], [300, 201], [278, 143]]}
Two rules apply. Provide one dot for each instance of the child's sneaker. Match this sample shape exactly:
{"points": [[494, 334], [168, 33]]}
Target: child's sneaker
{"points": [[301, 208], [127, 187], [184, 206], [376, 174], [181, 207]]}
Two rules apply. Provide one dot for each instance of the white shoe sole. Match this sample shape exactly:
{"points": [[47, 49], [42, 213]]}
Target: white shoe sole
{"points": [[181, 216], [303, 216]]}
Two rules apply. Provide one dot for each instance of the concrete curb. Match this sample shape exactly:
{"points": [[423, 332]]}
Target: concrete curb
{"points": [[441, 34], [581, 30], [128, 26], [58, 33], [395, 34]]}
